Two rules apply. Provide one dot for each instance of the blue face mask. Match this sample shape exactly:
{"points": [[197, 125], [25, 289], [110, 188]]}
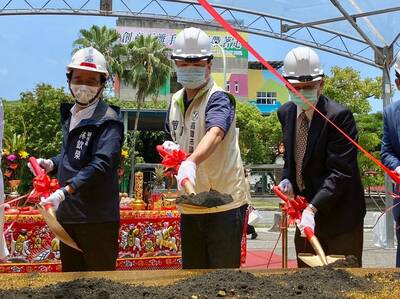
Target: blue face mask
{"points": [[310, 94], [191, 77]]}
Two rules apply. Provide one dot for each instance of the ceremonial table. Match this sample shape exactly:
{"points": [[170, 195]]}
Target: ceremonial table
{"points": [[147, 240]]}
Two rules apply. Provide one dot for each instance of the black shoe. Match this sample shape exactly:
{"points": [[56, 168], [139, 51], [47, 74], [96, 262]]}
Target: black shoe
{"points": [[254, 236]]}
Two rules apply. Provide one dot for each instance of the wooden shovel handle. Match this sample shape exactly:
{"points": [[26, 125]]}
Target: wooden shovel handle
{"points": [[187, 185]]}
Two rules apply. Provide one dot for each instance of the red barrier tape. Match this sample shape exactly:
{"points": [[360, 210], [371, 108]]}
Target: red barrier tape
{"points": [[236, 35]]}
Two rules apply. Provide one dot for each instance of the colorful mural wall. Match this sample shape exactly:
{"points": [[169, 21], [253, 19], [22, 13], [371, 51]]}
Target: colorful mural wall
{"points": [[266, 92]]}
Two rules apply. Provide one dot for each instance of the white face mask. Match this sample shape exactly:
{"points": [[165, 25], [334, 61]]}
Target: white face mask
{"points": [[84, 94], [191, 77]]}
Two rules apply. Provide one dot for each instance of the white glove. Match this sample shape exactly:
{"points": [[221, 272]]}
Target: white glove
{"points": [[54, 199], [307, 220], [286, 187], [46, 164], [187, 170], [170, 146], [397, 170]]}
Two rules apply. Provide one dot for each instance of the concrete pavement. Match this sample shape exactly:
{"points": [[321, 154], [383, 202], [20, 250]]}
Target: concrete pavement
{"points": [[373, 256]]}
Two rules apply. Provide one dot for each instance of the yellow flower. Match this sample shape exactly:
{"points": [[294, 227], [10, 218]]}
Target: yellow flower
{"points": [[124, 153], [23, 154], [6, 152]]}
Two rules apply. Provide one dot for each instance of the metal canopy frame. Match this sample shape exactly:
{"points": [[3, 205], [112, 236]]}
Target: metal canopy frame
{"points": [[359, 48]]}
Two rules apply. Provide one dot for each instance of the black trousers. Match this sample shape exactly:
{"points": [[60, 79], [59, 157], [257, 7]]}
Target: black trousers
{"points": [[212, 241], [349, 243], [99, 243], [250, 229]]}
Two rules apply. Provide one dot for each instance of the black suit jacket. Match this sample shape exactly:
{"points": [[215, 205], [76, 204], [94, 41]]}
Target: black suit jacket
{"points": [[330, 169]]}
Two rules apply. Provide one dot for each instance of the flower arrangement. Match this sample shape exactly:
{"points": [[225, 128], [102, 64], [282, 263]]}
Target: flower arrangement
{"points": [[14, 157]]}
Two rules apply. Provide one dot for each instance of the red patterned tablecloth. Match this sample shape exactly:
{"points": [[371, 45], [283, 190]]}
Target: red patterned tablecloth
{"points": [[147, 240]]}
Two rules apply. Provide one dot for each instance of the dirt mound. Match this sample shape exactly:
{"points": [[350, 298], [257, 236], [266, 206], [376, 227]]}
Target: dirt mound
{"points": [[205, 199], [322, 282]]}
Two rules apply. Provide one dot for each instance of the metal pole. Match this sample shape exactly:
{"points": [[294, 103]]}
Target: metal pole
{"points": [[284, 231], [386, 96], [224, 64]]}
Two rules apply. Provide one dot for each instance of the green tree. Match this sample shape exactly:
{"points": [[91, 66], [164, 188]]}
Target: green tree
{"points": [[259, 136], [37, 115], [346, 87], [147, 68], [106, 41], [370, 127]]}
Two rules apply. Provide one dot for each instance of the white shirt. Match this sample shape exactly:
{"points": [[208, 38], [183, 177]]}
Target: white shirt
{"points": [[84, 113]]}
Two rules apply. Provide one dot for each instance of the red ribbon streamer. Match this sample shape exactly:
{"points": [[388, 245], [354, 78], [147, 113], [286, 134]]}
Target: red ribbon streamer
{"points": [[393, 175]]}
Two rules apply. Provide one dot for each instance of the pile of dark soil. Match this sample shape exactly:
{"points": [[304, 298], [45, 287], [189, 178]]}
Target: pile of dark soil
{"points": [[321, 282], [349, 262], [205, 199]]}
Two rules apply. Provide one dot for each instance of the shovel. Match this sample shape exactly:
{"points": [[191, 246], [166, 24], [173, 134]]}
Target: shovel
{"points": [[294, 208], [48, 212], [320, 259], [202, 200]]}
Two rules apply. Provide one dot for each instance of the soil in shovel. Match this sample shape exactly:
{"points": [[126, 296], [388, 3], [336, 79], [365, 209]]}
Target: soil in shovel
{"points": [[209, 199], [320, 282]]}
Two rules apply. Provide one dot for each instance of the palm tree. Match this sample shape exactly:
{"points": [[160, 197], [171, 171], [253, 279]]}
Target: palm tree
{"points": [[147, 68], [106, 40]]}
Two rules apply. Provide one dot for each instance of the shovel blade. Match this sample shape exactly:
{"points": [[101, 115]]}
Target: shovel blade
{"points": [[315, 261], [334, 258], [56, 227], [310, 259]]}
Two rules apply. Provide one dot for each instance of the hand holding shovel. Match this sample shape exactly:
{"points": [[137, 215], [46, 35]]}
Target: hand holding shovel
{"points": [[42, 186], [294, 208]]}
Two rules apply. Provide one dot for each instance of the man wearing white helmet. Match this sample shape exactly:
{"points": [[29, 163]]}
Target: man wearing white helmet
{"points": [[201, 120], [320, 163], [88, 203], [390, 151]]}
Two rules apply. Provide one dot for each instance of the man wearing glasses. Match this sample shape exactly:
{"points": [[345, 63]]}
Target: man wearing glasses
{"points": [[320, 163], [88, 203], [390, 151]]}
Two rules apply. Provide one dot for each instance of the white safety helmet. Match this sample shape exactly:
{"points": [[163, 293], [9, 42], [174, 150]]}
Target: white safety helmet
{"points": [[192, 44], [88, 59], [302, 64], [397, 64]]}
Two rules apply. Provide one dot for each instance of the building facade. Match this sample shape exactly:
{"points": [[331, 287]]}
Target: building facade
{"points": [[247, 81]]}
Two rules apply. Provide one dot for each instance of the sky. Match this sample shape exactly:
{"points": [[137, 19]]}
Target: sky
{"points": [[36, 49]]}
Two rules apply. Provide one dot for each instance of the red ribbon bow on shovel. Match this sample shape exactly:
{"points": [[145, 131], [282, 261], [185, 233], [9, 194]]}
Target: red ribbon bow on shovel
{"points": [[171, 160], [43, 185], [293, 207]]}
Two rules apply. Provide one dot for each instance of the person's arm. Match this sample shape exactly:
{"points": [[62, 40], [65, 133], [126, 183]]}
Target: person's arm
{"points": [[167, 129], [388, 156], [285, 171], [340, 162], [56, 162], [220, 112], [106, 158], [207, 145]]}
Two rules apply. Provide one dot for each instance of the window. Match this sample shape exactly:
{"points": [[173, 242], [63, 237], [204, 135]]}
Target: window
{"points": [[236, 87], [268, 98], [271, 97], [261, 97], [228, 86]]}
